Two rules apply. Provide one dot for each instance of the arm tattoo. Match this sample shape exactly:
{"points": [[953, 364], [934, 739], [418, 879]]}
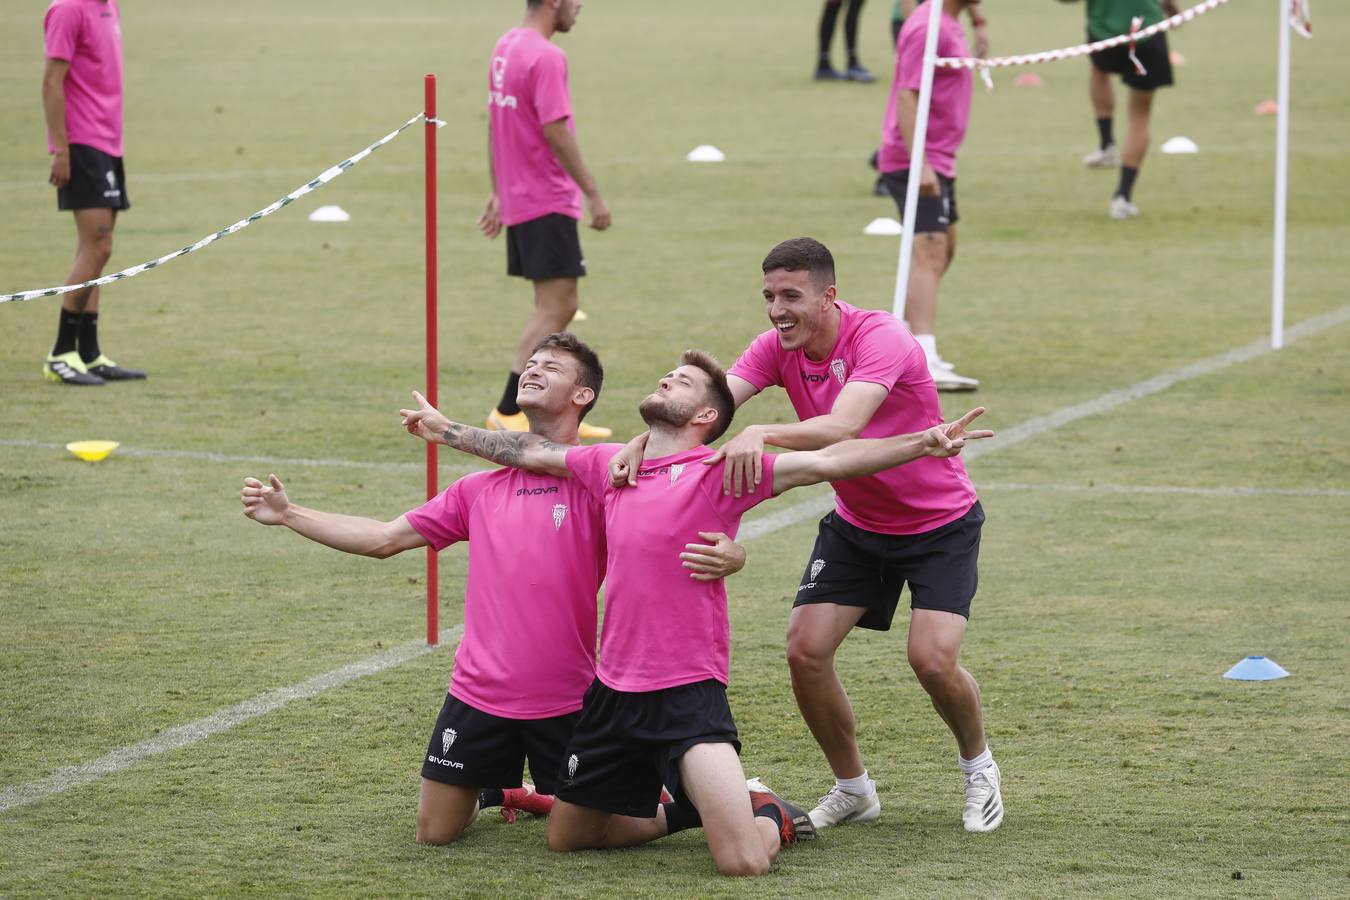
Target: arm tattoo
{"points": [[505, 448]]}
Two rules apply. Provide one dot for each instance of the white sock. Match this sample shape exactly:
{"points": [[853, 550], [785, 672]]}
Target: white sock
{"points": [[983, 761], [929, 344], [862, 786]]}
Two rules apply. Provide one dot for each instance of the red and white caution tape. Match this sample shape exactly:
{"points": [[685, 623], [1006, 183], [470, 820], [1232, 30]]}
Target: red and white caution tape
{"points": [[1131, 38], [1135, 24], [318, 181]]}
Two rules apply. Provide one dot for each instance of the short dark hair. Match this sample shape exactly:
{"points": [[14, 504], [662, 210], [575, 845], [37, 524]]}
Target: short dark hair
{"points": [[589, 371], [803, 254], [719, 395]]}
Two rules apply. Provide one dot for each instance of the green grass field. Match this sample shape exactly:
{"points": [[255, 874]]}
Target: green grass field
{"points": [[1130, 556]]}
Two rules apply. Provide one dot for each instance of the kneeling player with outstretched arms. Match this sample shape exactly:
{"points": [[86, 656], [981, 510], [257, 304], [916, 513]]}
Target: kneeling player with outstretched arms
{"points": [[505, 706]]}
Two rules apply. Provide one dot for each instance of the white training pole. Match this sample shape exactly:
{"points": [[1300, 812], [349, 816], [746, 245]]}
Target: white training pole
{"points": [[1281, 181], [916, 156]]}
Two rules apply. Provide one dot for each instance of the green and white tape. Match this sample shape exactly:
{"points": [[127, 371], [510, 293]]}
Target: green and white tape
{"points": [[318, 182]]}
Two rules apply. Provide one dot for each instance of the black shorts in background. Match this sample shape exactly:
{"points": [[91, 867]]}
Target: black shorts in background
{"points": [[476, 749], [544, 248], [1153, 56], [851, 566], [933, 213], [97, 181], [627, 745]]}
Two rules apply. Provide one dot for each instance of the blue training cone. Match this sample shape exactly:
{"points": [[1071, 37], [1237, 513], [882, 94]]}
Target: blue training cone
{"points": [[1256, 668]]}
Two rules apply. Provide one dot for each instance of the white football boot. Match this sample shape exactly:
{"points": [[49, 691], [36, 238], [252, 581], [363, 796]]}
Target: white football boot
{"points": [[984, 802], [839, 806], [1105, 158]]}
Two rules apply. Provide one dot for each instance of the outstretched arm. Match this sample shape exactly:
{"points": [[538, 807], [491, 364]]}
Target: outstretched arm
{"points": [[517, 449], [852, 410], [866, 456], [268, 504]]}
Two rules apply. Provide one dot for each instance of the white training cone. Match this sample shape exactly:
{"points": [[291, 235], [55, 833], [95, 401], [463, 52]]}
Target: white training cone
{"points": [[706, 153], [883, 226], [329, 214], [1180, 145]]}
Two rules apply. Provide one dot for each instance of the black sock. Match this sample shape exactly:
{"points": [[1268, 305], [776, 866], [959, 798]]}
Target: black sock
{"points": [[508, 405], [1104, 129], [1127, 176], [851, 31], [678, 818], [89, 337], [827, 20], [490, 797], [771, 812], [67, 333]]}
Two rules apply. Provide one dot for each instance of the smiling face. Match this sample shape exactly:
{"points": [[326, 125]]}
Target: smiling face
{"points": [[802, 312], [550, 385]]}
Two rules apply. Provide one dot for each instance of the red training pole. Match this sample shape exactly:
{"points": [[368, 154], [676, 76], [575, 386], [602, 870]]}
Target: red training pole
{"points": [[433, 595]]}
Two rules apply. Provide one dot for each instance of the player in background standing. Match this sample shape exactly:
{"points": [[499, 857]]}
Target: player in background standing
{"points": [[658, 711], [538, 180], [935, 219], [82, 103], [1106, 19], [855, 71], [899, 10], [505, 706]]}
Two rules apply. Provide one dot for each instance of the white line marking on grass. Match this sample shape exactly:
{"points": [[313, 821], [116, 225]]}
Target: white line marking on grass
{"points": [[277, 462], [1220, 491], [180, 736], [1009, 437]]}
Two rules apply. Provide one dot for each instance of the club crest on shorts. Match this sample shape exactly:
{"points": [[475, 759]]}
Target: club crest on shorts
{"points": [[559, 513], [448, 740], [112, 179], [676, 471], [572, 765], [816, 566], [837, 367]]}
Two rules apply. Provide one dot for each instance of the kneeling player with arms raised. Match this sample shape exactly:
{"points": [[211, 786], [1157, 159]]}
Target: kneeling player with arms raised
{"points": [[504, 706]]}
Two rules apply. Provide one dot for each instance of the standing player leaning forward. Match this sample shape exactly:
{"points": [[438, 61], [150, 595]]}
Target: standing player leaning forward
{"points": [[658, 712], [538, 178], [504, 706], [82, 102], [851, 372]]}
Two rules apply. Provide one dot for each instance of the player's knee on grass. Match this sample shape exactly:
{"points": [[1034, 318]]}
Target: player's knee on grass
{"points": [[444, 811], [572, 827]]}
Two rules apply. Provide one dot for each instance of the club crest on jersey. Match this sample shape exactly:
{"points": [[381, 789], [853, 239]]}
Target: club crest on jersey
{"points": [[816, 567], [448, 740], [676, 470], [837, 367], [559, 513], [496, 95]]}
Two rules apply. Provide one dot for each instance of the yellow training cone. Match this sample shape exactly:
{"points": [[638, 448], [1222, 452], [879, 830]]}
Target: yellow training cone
{"points": [[92, 451]]}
